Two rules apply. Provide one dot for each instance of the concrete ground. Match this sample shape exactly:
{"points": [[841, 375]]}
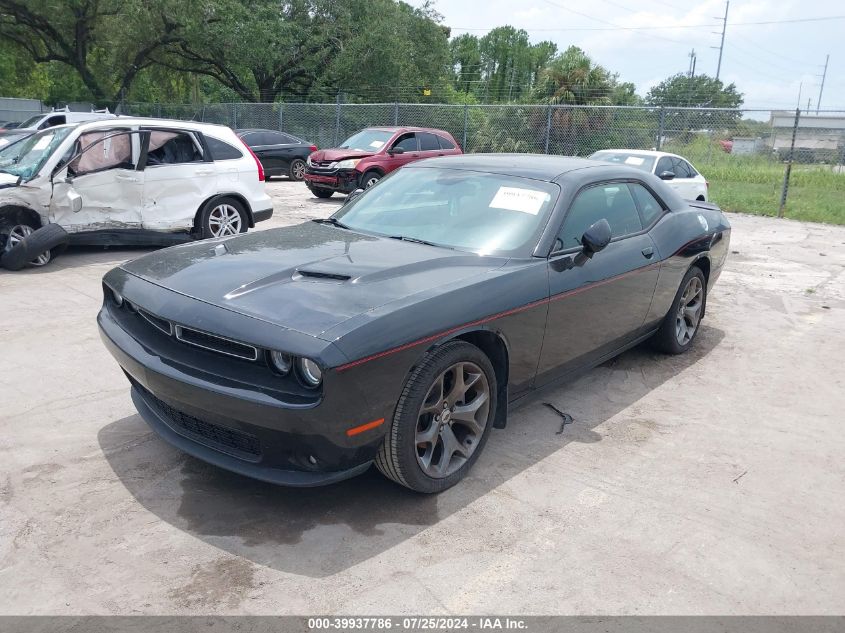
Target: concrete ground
{"points": [[710, 483]]}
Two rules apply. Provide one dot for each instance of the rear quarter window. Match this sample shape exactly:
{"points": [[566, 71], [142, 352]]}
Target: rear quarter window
{"points": [[445, 143], [221, 150]]}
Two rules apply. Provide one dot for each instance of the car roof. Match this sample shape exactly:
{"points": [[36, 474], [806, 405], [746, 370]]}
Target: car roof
{"points": [[642, 152], [149, 122], [406, 128], [537, 166]]}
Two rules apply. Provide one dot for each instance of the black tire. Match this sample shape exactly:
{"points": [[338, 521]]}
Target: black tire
{"points": [[297, 169], [369, 179], [221, 207], [320, 192], [48, 239], [667, 339], [397, 458]]}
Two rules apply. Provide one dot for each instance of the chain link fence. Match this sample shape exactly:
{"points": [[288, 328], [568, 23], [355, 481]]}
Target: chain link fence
{"points": [[759, 161]]}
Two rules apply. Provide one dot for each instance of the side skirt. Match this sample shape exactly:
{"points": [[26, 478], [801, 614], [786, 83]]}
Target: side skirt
{"points": [[128, 237], [575, 373]]}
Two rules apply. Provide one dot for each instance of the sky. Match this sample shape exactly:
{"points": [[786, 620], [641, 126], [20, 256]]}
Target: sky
{"points": [[767, 62]]}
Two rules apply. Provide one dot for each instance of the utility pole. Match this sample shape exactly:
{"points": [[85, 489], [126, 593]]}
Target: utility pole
{"points": [[721, 46], [821, 88]]}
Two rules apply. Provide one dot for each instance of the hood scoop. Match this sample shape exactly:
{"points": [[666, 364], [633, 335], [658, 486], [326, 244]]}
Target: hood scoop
{"points": [[319, 275]]}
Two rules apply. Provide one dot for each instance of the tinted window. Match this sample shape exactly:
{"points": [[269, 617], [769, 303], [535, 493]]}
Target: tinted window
{"points": [[665, 164], [612, 201], [682, 169], [222, 151], [649, 206], [445, 144], [428, 142], [407, 142], [172, 148], [252, 138], [53, 120]]}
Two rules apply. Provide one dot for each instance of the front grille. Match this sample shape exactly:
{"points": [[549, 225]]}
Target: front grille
{"points": [[216, 343], [224, 439], [156, 322]]}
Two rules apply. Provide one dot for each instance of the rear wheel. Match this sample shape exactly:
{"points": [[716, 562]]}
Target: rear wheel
{"points": [[442, 419], [681, 324], [223, 217], [297, 169]]}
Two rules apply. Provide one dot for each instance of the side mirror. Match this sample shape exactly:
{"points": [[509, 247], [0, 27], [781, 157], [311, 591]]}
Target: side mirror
{"points": [[74, 201], [667, 175], [395, 150], [596, 237], [353, 195]]}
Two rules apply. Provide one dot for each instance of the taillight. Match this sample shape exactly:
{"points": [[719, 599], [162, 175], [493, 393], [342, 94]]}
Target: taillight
{"points": [[257, 162], [313, 148], [707, 185]]}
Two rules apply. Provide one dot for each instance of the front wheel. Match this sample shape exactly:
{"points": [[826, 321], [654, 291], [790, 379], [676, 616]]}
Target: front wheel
{"points": [[681, 323], [222, 218], [369, 179], [442, 419], [321, 193], [297, 169]]}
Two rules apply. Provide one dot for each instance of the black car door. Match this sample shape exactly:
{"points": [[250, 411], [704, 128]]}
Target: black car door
{"points": [[597, 304]]}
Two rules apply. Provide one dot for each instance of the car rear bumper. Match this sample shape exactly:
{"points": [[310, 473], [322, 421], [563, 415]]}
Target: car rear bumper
{"points": [[262, 214], [341, 180]]}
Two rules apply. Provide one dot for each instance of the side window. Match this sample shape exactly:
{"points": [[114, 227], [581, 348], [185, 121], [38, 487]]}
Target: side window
{"points": [[407, 142], [445, 144], [687, 169], [649, 206], [680, 168], [59, 119], [252, 139], [222, 151], [665, 164], [611, 201], [290, 140], [277, 138], [172, 148], [102, 151], [428, 142]]}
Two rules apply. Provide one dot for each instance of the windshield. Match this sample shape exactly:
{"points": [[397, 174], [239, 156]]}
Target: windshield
{"points": [[367, 140], [466, 210], [32, 121], [640, 161], [26, 158]]}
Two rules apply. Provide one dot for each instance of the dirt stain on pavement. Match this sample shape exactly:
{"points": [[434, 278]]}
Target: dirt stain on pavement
{"points": [[221, 583]]}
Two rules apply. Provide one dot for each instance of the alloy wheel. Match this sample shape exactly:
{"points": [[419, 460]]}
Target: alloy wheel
{"points": [[369, 182], [452, 419], [17, 234], [689, 311], [298, 170], [224, 220]]}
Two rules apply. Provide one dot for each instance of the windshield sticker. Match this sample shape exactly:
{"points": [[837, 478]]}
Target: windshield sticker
{"points": [[43, 142], [516, 199], [376, 144], [634, 160]]}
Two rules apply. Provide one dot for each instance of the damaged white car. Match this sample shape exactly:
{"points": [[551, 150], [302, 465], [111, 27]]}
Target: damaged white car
{"points": [[125, 181]]}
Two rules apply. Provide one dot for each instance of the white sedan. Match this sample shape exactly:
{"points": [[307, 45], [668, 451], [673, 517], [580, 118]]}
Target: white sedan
{"points": [[676, 170]]}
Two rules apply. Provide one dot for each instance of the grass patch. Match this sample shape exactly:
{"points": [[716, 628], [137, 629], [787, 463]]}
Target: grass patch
{"points": [[752, 184]]}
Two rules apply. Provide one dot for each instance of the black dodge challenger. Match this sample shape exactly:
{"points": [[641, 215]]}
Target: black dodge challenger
{"points": [[399, 330]]}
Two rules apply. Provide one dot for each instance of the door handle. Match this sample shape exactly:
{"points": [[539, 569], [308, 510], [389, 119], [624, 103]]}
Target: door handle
{"points": [[648, 251], [126, 178], [204, 172]]}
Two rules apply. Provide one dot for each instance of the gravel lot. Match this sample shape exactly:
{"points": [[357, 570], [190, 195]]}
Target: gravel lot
{"points": [[707, 483]]}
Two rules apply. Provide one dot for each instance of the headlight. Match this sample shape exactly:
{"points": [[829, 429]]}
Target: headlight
{"points": [[349, 163], [310, 372], [281, 361], [116, 297], [308, 161]]}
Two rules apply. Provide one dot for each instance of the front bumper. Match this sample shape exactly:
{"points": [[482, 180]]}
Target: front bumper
{"points": [[248, 431], [262, 214], [340, 180]]}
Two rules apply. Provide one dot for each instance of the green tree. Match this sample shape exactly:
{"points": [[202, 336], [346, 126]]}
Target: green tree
{"points": [[699, 91]]}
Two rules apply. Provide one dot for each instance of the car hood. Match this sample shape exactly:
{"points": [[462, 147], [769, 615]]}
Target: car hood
{"points": [[335, 154], [309, 277]]}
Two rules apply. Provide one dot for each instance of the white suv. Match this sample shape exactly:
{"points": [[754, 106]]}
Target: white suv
{"points": [[127, 181]]}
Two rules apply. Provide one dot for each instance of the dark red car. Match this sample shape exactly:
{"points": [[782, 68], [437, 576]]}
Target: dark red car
{"points": [[369, 155]]}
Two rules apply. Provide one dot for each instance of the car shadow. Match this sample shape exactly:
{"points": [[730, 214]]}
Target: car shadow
{"points": [[78, 256], [317, 532]]}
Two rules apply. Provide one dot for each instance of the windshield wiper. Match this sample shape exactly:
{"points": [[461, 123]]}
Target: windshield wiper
{"points": [[415, 240], [330, 221]]}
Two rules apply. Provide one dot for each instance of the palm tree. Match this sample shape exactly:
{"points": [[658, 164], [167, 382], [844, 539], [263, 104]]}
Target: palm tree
{"points": [[573, 78]]}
